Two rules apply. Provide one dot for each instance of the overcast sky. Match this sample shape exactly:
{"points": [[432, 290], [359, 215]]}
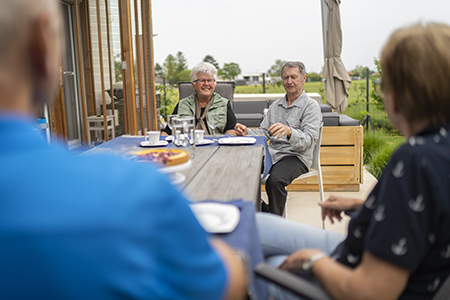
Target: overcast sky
{"points": [[254, 33]]}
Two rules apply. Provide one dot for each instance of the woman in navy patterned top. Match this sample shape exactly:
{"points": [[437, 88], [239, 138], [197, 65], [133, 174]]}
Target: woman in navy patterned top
{"points": [[398, 242]]}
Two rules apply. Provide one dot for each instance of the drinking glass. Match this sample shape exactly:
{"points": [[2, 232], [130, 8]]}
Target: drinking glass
{"points": [[213, 119], [184, 131], [170, 122]]}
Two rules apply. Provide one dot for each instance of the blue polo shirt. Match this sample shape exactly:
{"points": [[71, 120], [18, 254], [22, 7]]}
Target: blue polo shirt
{"points": [[95, 227]]}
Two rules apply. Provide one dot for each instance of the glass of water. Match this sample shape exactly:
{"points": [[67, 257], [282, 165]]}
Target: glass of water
{"points": [[170, 119], [184, 132]]}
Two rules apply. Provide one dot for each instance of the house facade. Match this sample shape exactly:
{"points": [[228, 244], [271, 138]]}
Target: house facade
{"points": [[108, 43]]}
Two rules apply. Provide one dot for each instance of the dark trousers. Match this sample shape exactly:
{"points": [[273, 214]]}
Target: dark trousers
{"points": [[281, 175]]}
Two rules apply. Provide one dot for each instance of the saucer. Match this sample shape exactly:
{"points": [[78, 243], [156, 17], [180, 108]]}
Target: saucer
{"points": [[204, 142], [158, 144], [170, 138]]}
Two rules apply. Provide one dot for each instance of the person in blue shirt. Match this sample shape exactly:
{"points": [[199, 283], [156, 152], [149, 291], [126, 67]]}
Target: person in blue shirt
{"points": [[87, 227], [398, 243]]}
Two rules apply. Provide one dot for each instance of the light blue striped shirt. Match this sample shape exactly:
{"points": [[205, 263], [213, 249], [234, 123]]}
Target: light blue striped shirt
{"points": [[304, 117]]}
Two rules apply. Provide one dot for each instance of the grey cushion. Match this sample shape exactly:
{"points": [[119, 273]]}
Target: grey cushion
{"points": [[249, 120], [325, 108], [345, 120], [330, 119], [249, 107], [223, 88]]}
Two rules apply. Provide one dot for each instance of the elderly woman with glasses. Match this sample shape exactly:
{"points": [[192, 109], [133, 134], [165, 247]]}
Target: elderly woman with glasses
{"points": [[205, 101]]}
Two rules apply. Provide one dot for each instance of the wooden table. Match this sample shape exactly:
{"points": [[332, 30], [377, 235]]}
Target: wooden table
{"points": [[220, 173], [225, 173]]}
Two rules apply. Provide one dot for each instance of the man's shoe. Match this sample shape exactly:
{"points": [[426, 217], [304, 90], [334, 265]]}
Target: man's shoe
{"points": [[265, 207]]}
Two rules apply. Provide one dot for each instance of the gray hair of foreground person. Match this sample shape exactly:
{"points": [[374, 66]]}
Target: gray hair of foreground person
{"points": [[203, 67], [16, 15], [293, 64], [21, 47], [416, 70]]}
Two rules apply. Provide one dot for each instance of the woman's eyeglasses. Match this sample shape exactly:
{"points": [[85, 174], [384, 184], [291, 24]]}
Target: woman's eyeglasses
{"points": [[203, 81]]}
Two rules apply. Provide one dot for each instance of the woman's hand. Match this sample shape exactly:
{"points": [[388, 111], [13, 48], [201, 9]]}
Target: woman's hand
{"points": [[335, 205], [295, 260]]}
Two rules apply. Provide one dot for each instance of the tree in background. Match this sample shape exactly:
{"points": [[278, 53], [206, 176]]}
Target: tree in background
{"points": [[181, 64], [159, 72], [313, 76], [170, 66], [360, 71], [230, 71], [275, 69], [208, 58], [376, 79], [175, 68]]}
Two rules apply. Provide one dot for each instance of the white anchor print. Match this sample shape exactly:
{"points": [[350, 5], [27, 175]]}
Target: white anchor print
{"points": [[399, 171], [417, 205], [336, 256], [446, 253], [357, 232], [412, 141], [370, 202], [420, 140], [431, 238], [434, 285], [400, 247], [379, 214], [437, 138], [352, 258], [443, 132]]}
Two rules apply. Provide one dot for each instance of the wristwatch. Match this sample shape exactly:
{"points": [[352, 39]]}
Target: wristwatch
{"points": [[307, 264]]}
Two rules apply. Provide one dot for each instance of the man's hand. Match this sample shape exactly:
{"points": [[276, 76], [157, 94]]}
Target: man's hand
{"points": [[279, 130], [240, 129], [335, 205]]}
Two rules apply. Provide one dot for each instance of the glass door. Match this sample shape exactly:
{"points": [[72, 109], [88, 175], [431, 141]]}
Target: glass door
{"points": [[70, 74]]}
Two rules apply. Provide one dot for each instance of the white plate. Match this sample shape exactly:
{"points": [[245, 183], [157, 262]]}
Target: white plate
{"points": [[176, 168], [237, 141], [216, 217], [204, 142], [159, 144]]}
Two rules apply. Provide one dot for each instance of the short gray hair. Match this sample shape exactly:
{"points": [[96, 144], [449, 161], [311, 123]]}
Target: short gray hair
{"points": [[293, 64], [15, 16], [203, 67]]}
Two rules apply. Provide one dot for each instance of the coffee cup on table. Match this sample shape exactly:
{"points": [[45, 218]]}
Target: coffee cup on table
{"points": [[152, 137], [199, 135]]}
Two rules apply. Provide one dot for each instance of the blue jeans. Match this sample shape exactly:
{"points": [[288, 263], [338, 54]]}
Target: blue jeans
{"points": [[280, 237]]}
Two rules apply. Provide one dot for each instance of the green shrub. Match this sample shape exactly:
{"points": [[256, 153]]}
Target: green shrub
{"points": [[378, 149], [169, 99]]}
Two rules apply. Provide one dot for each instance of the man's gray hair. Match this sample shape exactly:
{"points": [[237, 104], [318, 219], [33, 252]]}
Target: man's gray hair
{"points": [[293, 64], [15, 16], [203, 67]]}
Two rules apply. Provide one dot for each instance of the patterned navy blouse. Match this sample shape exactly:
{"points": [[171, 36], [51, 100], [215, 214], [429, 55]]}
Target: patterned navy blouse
{"points": [[406, 218]]}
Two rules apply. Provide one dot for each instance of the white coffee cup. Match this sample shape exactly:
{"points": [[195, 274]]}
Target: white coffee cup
{"points": [[199, 135], [152, 137]]}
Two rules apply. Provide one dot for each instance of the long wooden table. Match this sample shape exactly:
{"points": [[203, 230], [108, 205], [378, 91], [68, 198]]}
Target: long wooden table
{"points": [[220, 173]]}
